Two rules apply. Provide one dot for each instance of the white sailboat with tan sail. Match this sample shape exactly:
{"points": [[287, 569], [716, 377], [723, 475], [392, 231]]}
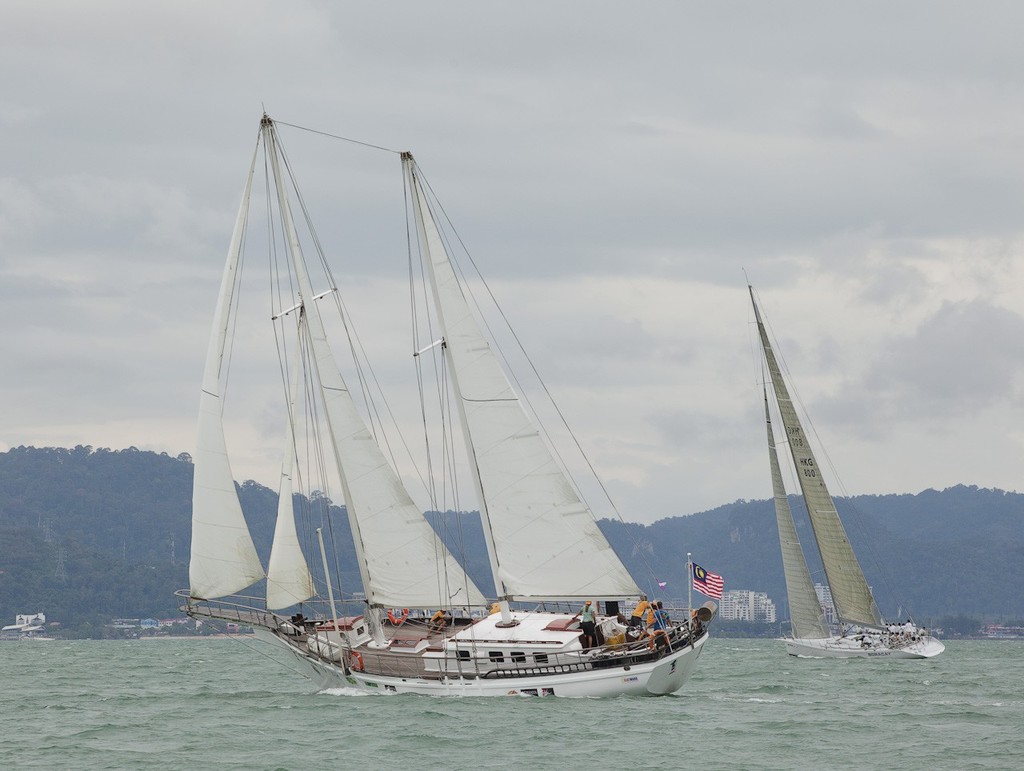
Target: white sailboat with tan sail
{"points": [[423, 625], [863, 632]]}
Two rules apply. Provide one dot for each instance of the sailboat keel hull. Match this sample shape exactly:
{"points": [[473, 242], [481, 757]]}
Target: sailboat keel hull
{"points": [[662, 676], [851, 648]]}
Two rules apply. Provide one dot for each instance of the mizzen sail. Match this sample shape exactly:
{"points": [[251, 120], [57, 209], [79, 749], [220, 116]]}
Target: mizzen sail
{"points": [[544, 542]]}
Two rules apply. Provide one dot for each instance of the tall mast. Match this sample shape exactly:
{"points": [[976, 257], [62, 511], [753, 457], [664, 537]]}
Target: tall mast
{"points": [[402, 562]]}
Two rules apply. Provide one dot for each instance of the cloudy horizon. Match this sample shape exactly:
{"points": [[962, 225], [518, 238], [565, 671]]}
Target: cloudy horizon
{"points": [[617, 173]]}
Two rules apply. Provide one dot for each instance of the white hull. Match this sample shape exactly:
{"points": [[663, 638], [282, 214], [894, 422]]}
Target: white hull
{"points": [[663, 676], [851, 648]]}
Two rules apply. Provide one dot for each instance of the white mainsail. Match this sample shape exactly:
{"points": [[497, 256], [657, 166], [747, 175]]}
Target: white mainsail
{"points": [[223, 558], [288, 579], [543, 541], [850, 590], [805, 615], [402, 561]]}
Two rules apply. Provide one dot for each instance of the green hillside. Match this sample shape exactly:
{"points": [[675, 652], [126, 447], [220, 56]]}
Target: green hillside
{"points": [[86, 535]]}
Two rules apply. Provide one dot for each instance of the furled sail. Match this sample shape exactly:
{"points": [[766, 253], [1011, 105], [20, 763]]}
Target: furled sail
{"points": [[850, 590], [288, 579], [223, 559], [543, 541], [805, 614], [402, 561]]}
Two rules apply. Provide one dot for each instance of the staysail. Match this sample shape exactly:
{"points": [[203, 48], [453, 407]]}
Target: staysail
{"points": [[288, 579], [223, 558], [850, 590], [543, 541], [402, 561], [805, 614]]}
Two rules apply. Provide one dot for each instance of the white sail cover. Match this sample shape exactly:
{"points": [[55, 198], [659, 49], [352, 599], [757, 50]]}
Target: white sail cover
{"points": [[805, 615], [223, 559], [545, 542], [288, 579], [403, 563], [850, 591]]}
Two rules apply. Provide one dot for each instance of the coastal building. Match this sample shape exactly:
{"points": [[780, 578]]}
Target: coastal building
{"points": [[747, 605], [26, 626], [828, 607]]}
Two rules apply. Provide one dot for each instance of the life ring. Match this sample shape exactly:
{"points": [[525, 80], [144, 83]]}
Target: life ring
{"points": [[355, 660], [399, 620]]}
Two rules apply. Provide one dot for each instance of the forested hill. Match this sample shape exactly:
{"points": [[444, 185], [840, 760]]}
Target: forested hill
{"points": [[87, 534]]}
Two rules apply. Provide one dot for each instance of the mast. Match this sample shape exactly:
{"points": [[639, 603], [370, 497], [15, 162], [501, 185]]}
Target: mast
{"points": [[543, 541], [850, 590], [806, 617], [402, 563]]}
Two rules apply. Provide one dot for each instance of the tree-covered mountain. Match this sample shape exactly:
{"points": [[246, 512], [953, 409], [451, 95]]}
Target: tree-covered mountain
{"points": [[87, 535]]}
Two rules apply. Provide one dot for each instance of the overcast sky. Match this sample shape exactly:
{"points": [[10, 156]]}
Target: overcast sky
{"points": [[613, 168]]}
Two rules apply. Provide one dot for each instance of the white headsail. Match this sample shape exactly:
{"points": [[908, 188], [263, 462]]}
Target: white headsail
{"points": [[288, 579], [223, 559], [543, 541]]}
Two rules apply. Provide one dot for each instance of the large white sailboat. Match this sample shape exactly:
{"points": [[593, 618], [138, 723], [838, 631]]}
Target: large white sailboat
{"points": [[423, 626], [863, 632]]}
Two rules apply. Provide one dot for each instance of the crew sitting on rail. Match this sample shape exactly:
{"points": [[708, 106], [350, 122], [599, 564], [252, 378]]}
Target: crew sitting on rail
{"points": [[659, 627]]}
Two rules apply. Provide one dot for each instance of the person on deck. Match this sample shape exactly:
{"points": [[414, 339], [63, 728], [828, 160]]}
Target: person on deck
{"points": [[659, 625], [587, 618], [438, 621], [642, 607]]}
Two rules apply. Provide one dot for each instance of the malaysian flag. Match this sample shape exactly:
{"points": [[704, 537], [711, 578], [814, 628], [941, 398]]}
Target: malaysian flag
{"points": [[707, 583]]}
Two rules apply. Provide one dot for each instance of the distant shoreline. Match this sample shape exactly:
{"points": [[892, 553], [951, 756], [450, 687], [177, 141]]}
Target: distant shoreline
{"points": [[194, 637]]}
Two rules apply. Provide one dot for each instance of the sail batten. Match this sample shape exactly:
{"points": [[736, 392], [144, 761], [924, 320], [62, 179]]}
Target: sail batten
{"points": [[543, 542], [850, 591]]}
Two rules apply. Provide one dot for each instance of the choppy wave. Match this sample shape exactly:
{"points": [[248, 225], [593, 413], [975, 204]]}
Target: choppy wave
{"points": [[216, 703]]}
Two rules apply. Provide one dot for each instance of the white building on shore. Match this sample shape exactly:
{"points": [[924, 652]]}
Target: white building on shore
{"points": [[746, 605], [26, 626]]}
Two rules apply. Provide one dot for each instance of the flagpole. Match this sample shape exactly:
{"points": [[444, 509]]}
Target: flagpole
{"points": [[689, 583]]}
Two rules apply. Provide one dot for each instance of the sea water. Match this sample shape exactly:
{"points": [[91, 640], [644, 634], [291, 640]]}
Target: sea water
{"points": [[236, 703]]}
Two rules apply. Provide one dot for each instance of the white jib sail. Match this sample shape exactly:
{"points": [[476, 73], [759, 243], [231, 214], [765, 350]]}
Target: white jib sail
{"points": [[288, 579], [402, 561], [223, 559], [544, 539]]}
